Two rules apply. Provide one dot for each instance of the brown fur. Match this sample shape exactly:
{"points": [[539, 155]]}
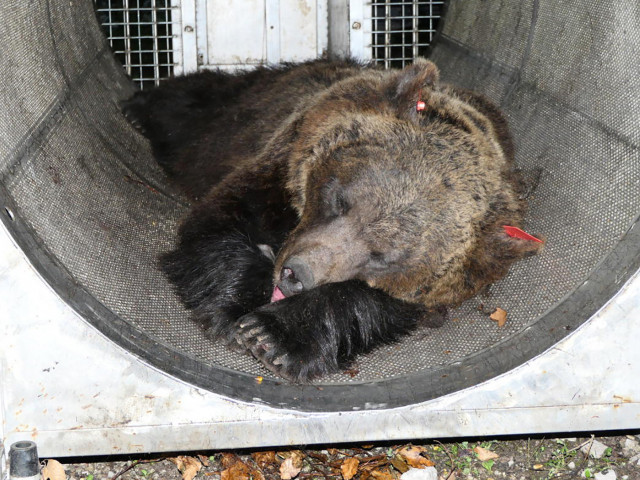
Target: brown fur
{"points": [[449, 243], [376, 213]]}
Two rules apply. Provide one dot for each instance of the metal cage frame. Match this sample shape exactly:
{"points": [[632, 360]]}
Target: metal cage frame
{"points": [[146, 35]]}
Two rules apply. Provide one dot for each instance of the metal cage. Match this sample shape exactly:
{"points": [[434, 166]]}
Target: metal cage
{"points": [[403, 30], [142, 32], [140, 35]]}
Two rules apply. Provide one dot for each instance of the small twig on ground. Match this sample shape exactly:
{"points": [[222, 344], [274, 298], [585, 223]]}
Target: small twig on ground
{"points": [[590, 442], [134, 464], [453, 463], [318, 456], [125, 469], [324, 474], [585, 459], [372, 458], [378, 464]]}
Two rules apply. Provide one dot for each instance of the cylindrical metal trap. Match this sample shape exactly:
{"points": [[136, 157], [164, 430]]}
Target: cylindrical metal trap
{"points": [[83, 199]]}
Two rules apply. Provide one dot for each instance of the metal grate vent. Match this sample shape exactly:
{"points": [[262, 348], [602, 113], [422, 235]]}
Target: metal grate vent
{"points": [[139, 32], [403, 30]]}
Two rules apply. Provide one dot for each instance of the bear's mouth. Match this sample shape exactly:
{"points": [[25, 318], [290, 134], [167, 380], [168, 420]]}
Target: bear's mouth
{"points": [[277, 294]]}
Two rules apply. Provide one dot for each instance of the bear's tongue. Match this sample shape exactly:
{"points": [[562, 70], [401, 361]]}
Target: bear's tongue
{"points": [[277, 294]]}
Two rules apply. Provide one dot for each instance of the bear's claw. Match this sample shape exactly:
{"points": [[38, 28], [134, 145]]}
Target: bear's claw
{"points": [[260, 333], [262, 346]]}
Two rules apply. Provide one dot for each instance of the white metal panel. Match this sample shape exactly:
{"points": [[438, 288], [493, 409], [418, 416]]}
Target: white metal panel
{"points": [[176, 29], [338, 28], [235, 32], [298, 30], [188, 32], [201, 31], [83, 395], [322, 25], [255, 32], [358, 42], [272, 29]]}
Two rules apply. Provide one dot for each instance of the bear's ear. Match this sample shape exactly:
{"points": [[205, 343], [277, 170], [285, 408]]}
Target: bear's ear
{"points": [[495, 251], [511, 242], [411, 81]]}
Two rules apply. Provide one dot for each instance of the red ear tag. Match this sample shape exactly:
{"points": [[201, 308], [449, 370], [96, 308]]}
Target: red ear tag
{"points": [[517, 233], [420, 106]]}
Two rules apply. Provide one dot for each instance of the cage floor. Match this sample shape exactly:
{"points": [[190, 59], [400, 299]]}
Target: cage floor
{"points": [[92, 210]]}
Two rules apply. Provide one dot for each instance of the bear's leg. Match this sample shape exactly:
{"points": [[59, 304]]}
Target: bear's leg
{"points": [[322, 330], [220, 279], [222, 266]]}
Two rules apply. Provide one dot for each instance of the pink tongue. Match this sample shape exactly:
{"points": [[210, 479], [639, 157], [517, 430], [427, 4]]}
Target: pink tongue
{"points": [[277, 295]]}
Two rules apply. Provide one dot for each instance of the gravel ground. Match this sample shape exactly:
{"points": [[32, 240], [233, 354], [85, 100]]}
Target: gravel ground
{"points": [[598, 457]]}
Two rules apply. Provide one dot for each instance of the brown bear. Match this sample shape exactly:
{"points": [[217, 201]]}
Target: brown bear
{"points": [[360, 201]]}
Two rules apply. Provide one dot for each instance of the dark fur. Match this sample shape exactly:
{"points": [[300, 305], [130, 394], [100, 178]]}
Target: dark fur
{"points": [[320, 331], [396, 213]]}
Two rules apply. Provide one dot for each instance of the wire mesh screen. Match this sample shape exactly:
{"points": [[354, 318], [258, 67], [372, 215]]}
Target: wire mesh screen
{"points": [[403, 29], [139, 32]]}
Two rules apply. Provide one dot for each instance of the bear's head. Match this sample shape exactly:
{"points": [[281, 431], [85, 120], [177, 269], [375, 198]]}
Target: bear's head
{"points": [[386, 192]]}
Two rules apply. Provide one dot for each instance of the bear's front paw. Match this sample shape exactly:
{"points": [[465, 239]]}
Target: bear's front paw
{"points": [[288, 354]]}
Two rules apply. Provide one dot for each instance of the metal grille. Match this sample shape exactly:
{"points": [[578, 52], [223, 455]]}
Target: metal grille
{"points": [[139, 32], [403, 30]]}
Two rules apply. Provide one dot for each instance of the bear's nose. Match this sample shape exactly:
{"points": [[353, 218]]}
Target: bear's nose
{"points": [[295, 277]]}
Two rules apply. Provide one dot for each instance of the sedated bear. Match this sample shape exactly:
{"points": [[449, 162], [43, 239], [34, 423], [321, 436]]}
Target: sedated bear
{"points": [[336, 205]]}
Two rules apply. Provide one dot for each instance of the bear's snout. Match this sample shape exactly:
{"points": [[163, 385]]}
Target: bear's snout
{"points": [[296, 276], [312, 264]]}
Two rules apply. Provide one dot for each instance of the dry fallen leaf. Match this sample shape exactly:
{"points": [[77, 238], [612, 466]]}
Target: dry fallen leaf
{"points": [[297, 456], [484, 454], [188, 466], [291, 465], [500, 316], [255, 474], [204, 460], [381, 474], [413, 455], [228, 459], [236, 469], [53, 470], [288, 470], [352, 372], [264, 459], [399, 464], [349, 468]]}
